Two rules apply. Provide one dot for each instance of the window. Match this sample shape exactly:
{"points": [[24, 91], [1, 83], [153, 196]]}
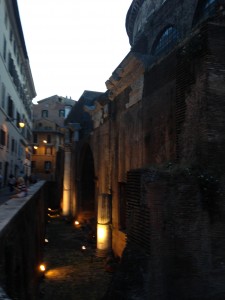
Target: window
{"points": [[33, 166], [11, 35], [62, 113], [12, 145], [10, 107], [4, 49], [208, 4], [3, 95], [205, 9], [47, 166], [44, 114], [49, 138], [34, 151], [48, 150], [18, 119], [166, 40], [67, 110], [2, 137], [7, 142], [6, 19], [35, 138], [14, 47], [15, 149]]}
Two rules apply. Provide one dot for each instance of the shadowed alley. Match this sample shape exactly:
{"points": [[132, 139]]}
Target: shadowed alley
{"points": [[72, 272]]}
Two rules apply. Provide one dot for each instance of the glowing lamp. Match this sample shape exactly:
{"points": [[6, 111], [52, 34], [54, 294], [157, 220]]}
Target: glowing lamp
{"points": [[76, 222], [21, 124], [103, 236], [42, 268]]}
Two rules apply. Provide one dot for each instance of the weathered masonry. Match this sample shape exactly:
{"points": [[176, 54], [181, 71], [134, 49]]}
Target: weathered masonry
{"points": [[22, 233], [152, 151]]}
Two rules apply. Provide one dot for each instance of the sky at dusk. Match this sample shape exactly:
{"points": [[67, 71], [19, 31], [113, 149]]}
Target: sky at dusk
{"points": [[73, 45]]}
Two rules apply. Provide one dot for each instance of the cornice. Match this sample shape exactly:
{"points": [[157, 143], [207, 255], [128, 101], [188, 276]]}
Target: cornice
{"points": [[126, 73]]}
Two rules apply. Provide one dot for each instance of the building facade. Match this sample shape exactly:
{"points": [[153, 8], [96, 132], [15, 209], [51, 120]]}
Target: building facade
{"points": [[48, 139], [16, 93], [155, 154]]}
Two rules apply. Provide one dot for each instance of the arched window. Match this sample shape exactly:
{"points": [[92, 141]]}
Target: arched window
{"points": [[208, 4], [205, 9], [165, 41]]}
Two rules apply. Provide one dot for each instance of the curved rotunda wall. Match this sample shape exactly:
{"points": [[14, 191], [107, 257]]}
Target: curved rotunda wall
{"points": [[145, 12], [138, 14], [146, 19]]}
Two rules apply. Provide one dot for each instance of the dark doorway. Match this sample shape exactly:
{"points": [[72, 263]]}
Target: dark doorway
{"points": [[87, 201]]}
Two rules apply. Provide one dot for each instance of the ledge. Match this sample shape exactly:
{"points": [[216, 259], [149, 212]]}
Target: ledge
{"points": [[11, 207], [3, 295]]}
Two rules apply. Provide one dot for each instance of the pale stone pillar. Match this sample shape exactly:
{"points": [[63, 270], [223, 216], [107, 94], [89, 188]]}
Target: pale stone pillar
{"points": [[69, 204], [104, 225], [66, 205]]}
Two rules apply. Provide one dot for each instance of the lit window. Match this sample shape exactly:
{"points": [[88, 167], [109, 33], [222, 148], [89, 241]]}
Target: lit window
{"points": [[166, 40], [48, 150]]}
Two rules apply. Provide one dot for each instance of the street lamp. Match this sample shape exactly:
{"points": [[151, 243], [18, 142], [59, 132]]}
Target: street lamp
{"points": [[20, 122]]}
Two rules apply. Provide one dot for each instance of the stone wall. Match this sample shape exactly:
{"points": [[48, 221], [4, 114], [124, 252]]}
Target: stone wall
{"points": [[22, 232], [175, 237], [176, 230]]}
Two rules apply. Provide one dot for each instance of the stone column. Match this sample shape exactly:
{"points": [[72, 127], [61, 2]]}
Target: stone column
{"points": [[104, 225], [66, 205]]}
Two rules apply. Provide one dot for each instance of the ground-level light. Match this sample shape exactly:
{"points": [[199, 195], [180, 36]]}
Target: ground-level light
{"points": [[42, 268]]}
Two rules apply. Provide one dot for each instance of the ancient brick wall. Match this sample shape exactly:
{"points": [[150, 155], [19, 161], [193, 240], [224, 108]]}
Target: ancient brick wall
{"points": [[22, 233], [175, 237], [175, 209]]}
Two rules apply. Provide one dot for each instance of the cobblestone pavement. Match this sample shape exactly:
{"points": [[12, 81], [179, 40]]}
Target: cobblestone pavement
{"points": [[72, 273]]}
